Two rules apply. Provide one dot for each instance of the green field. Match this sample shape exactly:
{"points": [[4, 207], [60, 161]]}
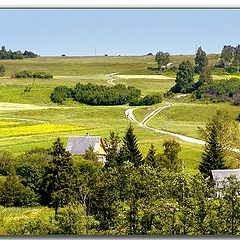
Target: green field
{"points": [[21, 131]]}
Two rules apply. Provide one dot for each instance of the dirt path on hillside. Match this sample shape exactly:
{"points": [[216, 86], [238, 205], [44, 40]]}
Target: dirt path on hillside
{"points": [[7, 106], [115, 76], [24, 119], [143, 124], [110, 78]]}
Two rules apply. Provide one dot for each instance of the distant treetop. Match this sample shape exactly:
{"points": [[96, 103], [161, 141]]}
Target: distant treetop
{"points": [[9, 54]]}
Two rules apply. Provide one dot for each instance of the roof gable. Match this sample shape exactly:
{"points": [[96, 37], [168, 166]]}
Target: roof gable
{"points": [[223, 174], [79, 145]]}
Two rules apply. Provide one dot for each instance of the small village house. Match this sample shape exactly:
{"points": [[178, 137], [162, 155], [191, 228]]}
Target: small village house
{"points": [[79, 144], [220, 177]]}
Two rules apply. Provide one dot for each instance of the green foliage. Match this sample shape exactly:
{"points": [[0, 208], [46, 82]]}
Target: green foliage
{"points": [[93, 94], [4, 54], [60, 94], [171, 150], [2, 70], [43, 75], [215, 135], [30, 167], [162, 59], [102, 95], [236, 59], [227, 89], [129, 151], [151, 157], [231, 69], [184, 78], [58, 179], [6, 162], [147, 100], [90, 154], [201, 60], [204, 77], [227, 55], [24, 74], [30, 74], [11, 191], [112, 150]]}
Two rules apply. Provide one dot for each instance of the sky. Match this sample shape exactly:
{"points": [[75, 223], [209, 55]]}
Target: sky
{"points": [[77, 32]]}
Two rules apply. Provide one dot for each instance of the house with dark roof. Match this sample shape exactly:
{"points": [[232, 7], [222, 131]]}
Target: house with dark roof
{"points": [[220, 177], [79, 144]]}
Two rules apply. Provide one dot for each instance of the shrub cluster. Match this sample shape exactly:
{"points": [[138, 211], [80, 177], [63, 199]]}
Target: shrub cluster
{"points": [[227, 89], [147, 100], [29, 74], [93, 94]]}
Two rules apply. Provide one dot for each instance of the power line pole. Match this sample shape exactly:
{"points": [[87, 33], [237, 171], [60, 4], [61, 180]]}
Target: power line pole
{"points": [[95, 51]]}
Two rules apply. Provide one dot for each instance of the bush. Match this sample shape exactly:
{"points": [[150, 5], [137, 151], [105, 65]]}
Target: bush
{"points": [[60, 94], [93, 94], [29, 74], [24, 74], [2, 70], [224, 90], [42, 75], [151, 99], [231, 69], [147, 100]]}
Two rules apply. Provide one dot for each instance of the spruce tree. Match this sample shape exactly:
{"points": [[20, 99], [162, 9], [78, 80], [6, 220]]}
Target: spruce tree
{"points": [[90, 154], [184, 78], [201, 60], [151, 156], [213, 156], [204, 77], [58, 179], [112, 150], [129, 150]]}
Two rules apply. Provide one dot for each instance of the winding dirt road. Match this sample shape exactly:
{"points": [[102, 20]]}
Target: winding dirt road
{"points": [[143, 124], [110, 80]]}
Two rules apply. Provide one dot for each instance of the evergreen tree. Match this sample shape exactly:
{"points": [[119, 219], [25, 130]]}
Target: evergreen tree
{"points": [[204, 77], [184, 78], [112, 150], [201, 60], [58, 179], [213, 156], [151, 156], [129, 150], [11, 190], [90, 154]]}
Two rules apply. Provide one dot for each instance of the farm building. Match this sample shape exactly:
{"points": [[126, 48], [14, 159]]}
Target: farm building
{"points": [[221, 176], [79, 145]]}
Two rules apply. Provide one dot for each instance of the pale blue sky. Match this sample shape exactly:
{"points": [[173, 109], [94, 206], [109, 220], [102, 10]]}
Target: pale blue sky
{"points": [[116, 31]]}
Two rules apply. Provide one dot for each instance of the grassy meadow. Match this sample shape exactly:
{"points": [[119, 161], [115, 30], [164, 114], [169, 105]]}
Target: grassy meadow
{"points": [[39, 123], [29, 119]]}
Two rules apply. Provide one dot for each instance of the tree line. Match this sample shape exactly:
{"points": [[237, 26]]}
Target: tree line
{"points": [[130, 194], [93, 94], [205, 87], [9, 54]]}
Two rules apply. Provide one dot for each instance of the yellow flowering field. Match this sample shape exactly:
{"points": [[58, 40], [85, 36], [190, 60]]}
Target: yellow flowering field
{"points": [[36, 129]]}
